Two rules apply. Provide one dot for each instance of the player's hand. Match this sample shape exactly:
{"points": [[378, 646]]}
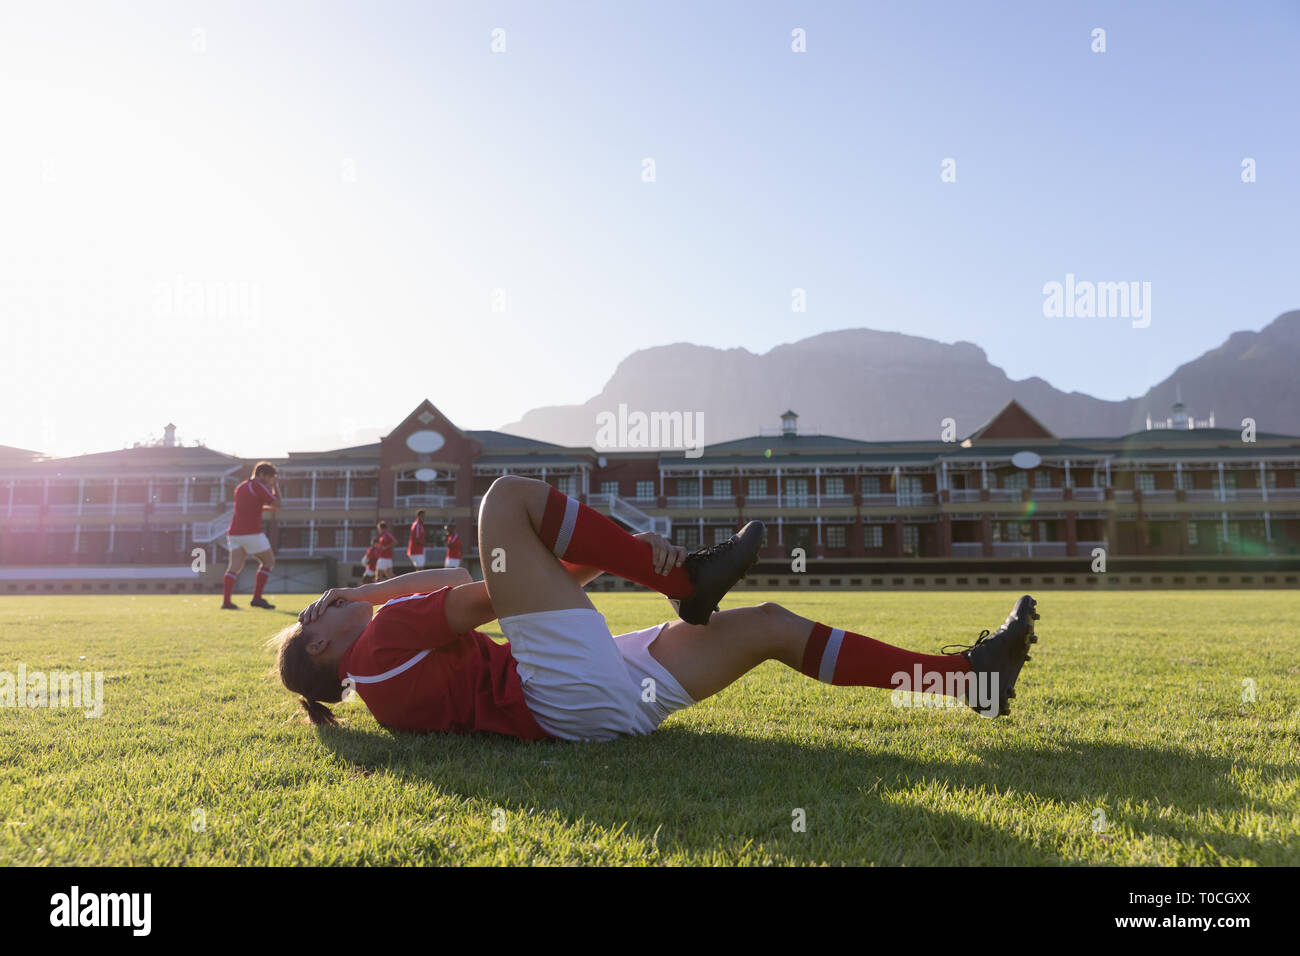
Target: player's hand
{"points": [[666, 555], [329, 599]]}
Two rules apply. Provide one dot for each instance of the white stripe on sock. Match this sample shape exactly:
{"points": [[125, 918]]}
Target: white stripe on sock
{"points": [[830, 655], [565, 533]]}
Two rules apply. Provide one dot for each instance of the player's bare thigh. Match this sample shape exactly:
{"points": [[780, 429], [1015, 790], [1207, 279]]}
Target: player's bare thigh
{"points": [[265, 558], [236, 560], [706, 658], [521, 573]]}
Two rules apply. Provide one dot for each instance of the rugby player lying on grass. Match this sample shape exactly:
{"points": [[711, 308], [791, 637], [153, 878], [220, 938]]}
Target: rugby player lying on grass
{"points": [[419, 664]]}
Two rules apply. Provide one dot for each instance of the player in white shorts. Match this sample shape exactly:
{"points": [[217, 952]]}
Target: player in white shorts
{"points": [[565, 675]]}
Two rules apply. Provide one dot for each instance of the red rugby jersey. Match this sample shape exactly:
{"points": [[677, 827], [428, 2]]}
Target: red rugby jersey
{"points": [[415, 545], [416, 673], [372, 555], [250, 497], [386, 542], [453, 545]]}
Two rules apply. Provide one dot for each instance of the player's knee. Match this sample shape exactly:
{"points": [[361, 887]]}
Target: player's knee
{"points": [[771, 611]]}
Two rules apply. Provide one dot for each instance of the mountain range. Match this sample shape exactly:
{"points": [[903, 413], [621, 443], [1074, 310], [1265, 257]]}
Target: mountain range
{"points": [[877, 386]]}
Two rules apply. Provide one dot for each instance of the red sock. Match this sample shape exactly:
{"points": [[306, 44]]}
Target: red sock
{"points": [[581, 535], [841, 657], [230, 587], [262, 575]]}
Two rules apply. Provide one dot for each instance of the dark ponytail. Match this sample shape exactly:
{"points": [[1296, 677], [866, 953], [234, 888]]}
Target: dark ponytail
{"points": [[301, 673]]}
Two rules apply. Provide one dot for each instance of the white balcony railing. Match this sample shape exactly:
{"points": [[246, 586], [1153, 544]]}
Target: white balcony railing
{"points": [[967, 549], [1028, 549], [425, 501], [964, 494], [1089, 494]]}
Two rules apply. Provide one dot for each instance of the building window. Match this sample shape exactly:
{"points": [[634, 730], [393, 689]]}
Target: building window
{"points": [[756, 488], [911, 539], [1042, 478], [871, 484], [645, 489], [835, 536], [1192, 536], [873, 536], [721, 533], [796, 492], [1145, 481], [609, 488], [1270, 480], [687, 536], [1015, 480], [909, 490], [567, 485], [340, 538], [688, 488], [722, 487], [834, 486]]}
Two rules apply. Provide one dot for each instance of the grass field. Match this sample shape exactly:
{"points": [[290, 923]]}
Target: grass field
{"points": [[1131, 743]]}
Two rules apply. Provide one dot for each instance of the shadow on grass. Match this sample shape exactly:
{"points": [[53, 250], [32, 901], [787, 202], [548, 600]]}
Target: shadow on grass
{"points": [[711, 794]]}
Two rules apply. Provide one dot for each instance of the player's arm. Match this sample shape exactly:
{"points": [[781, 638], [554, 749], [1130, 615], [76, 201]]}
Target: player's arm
{"points": [[381, 592]]}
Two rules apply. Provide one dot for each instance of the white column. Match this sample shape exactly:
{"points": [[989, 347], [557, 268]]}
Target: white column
{"points": [[1263, 488], [113, 510], [311, 537], [313, 489], [780, 535], [943, 474], [778, 487], [1107, 472], [81, 495], [1223, 495], [898, 486], [984, 474], [1067, 473], [819, 530], [817, 479], [347, 538], [347, 488], [703, 543], [1268, 528], [1178, 474], [700, 479]]}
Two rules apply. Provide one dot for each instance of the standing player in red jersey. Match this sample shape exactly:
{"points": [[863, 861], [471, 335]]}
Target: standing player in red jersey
{"points": [[415, 542], [420, 665], [384, 566], [245, 536], [453, 547]]}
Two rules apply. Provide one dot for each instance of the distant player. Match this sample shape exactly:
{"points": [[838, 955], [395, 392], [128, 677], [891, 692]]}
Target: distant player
{"points": [[384, 566], [415, 542], [453, 547], [369, 562], [245, 536]]}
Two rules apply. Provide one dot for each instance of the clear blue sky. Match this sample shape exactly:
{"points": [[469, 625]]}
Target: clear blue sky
{"points": [[363, 176]]}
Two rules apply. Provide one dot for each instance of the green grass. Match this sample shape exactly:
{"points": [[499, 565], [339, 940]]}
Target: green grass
{"points": [[1133, 705]]}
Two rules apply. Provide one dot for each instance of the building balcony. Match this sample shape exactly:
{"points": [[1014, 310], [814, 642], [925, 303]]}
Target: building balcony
{"points": [[964, 494], [1029, 549], [1089, 494], [967, 549], [425, 501]]}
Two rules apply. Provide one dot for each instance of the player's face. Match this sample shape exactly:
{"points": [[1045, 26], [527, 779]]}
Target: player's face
{"points": [[340, 624]]}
